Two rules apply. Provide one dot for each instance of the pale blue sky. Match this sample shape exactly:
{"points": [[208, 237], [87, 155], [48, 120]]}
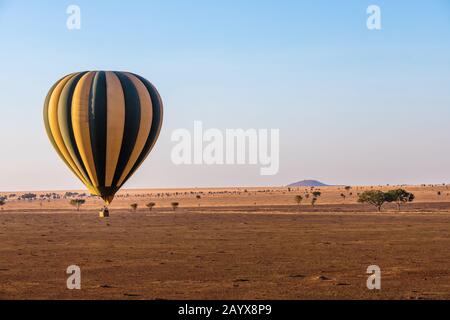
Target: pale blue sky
{"points": [[353, 106]]}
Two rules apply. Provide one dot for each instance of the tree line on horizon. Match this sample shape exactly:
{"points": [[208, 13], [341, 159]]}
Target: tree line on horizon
{"points": [[376, 198]]}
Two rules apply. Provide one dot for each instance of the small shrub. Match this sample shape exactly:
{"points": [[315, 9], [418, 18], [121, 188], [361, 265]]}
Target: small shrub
{"points": [[174, 205]]}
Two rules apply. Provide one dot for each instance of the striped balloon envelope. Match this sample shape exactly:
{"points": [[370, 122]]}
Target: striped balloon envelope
{"points": [[103, 124]]}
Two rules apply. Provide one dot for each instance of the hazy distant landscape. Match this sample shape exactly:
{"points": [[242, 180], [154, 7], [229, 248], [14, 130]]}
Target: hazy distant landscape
{"points": [[226, 243]]}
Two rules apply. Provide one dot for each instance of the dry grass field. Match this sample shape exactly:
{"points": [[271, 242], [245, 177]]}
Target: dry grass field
{"points": [[235, 243]]}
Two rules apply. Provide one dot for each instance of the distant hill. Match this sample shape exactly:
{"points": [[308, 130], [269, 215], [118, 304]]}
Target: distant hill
{"points": [[308, 183]]}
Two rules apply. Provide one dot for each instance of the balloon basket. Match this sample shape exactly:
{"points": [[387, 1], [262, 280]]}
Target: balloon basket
{"points": [[104, 213]]}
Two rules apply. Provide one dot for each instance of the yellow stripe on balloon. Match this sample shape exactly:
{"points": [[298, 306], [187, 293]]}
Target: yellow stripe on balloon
{"points": [[54, 126], [48, 130], [144, 125], [80, 124], [66, 139], [115, 111]]}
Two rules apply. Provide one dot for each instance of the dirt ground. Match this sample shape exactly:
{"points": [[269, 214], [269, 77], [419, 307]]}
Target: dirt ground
{"points": [[224, 246]]}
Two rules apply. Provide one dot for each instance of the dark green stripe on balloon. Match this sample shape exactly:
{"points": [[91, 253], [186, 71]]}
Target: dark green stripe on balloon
{"points": [[65, 121], [156, 124], [98, 124], [132, 122]]}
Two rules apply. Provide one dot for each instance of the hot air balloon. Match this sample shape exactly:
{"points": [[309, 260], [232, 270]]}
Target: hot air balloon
{"points": [[103, 124]]}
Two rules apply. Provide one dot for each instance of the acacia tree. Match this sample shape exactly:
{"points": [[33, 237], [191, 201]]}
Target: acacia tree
{"points": [[316, 195], [134, 206], [2, 203], [299, 200], [150, 205], [399, 196], [77, 203], [374, 197]]}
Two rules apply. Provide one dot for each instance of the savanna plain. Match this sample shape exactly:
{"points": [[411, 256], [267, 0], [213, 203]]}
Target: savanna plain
{"points": [[226, 243]]}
